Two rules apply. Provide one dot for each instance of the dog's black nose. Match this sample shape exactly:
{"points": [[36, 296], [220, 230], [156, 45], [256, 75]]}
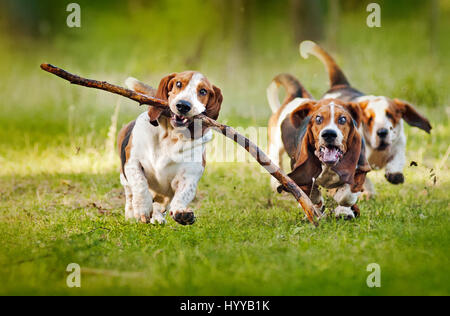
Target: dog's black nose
{"points": [[183, 106], [329, 135], [382, 132]]}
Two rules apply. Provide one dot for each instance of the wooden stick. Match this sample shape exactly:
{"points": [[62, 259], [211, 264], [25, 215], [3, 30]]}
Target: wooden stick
{"points": [[288, 184]]}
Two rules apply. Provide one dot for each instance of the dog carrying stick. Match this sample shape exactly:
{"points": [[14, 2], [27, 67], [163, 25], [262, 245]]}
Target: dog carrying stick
{"points": [[287, 183]]}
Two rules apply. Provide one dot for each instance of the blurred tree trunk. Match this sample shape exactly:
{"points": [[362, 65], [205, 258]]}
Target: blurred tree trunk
{"points": [[306, 19], [235, 23], [241, 26], [225, 13], [333, 23], [434, 26], [135, 5]]}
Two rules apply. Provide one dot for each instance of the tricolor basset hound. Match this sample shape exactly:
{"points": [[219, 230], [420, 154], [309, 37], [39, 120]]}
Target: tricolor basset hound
{"points": [[323, 142], [163, 157], [382, 120]]}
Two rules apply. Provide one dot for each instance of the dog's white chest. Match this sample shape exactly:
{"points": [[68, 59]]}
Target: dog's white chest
{"points": [[165, 155]]}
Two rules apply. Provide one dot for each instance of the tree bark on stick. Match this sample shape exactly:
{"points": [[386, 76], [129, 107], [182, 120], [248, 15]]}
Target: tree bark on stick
{"points": [[288, 184]]}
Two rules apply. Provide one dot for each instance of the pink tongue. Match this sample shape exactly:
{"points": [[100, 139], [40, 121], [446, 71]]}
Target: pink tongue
{"points": [[330, 155]]}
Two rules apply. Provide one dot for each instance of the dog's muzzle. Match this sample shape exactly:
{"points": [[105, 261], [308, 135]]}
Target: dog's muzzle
{"points": [[183, 107], [329, 153]]}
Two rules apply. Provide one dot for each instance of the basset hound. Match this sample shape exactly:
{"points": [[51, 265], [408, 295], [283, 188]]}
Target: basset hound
{"points": [[382, 119], [163, 157], [323, 143]]}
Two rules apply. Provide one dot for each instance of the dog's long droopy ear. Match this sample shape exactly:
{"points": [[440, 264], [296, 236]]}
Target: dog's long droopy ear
{"points": [[214, 103], [346, 168], [306, 165], [411, 116], [300, 113], [165, 86], [140, 87], [356, 112], [362, 169]]}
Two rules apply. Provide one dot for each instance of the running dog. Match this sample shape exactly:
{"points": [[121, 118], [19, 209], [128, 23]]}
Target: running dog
{"points": [[323, 143], [382, 119], [158, 172]]}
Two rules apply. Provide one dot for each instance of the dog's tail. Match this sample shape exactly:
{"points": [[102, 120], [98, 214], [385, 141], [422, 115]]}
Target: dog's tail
{"points": [[335, 73], [294, 89], [140, 87]]}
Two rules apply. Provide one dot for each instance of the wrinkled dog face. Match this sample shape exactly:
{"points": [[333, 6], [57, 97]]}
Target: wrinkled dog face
{"points": [[331, 123], [382, 122], [189, 94]]}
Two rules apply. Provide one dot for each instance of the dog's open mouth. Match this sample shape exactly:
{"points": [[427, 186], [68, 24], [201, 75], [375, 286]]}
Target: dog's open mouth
{"points": [[180, 121], [330, 154]]}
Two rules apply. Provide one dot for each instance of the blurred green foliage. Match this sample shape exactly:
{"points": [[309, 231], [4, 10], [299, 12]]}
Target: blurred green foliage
{"points": [[58, 163], [239, 44]]}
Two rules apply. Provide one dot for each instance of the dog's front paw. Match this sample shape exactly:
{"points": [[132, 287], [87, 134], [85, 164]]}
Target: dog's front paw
{"points": [[158, 214], [144, 219], [185, 217], [356, 210], [142, 215], [344, 212], [395, 178], [281, 189], [158, 218]]}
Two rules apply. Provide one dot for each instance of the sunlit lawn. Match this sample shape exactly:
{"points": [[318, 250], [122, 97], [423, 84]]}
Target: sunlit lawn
{"points": [[61, 201], [59, 205]]}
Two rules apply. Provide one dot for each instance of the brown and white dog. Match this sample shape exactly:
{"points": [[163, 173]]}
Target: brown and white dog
{"points": [[323, 142], [161, 162], [382, 121]]}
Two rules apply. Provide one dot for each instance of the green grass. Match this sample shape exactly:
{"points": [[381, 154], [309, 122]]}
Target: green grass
{"points": [[247, 240], [61, 200]]}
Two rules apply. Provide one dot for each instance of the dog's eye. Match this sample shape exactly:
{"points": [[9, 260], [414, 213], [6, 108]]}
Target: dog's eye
{"points": [[203, 92], [389, 116], [319, 120], [179, 84], [342, 120]]}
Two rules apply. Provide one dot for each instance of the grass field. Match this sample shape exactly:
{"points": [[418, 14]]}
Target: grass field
{"points": [[247, 240], [61, 201]]}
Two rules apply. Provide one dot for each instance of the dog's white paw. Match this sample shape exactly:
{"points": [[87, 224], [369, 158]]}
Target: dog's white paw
{"points": [[344, 212], [129, 214], [142, 216], [158, 218]]}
